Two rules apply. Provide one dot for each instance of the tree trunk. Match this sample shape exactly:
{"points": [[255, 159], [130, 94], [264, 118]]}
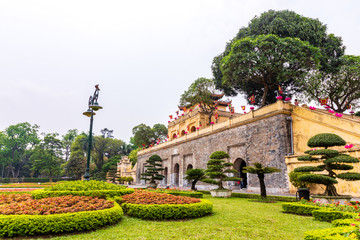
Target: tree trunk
{"points": [[331, 190], [263, 100], [261, 177], [193, 183]]}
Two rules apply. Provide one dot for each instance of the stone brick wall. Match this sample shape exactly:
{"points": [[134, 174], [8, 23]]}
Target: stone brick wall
{"points": [[265, 140]]}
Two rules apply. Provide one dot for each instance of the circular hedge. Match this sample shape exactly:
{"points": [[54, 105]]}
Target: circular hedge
{"points": [[168, 211], [325, 140], [25, 225]]}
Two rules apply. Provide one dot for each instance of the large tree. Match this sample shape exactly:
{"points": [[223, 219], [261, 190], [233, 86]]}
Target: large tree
{"points": [[200, 93], [341, 88], [145, 135], [269, 61], [75, 167], [283, 24], [47, 156], [67, 140], [19, 143]]}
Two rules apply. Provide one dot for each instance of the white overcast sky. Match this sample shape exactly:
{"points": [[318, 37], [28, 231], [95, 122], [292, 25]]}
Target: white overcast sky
{"points": [[144, 54]]}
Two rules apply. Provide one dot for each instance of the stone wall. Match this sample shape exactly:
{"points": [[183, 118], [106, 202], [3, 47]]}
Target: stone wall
{"points": [[264, 139]]}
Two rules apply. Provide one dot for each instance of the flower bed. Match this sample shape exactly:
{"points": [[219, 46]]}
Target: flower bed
{"points": [[178, 192], [23, 204], [16, 190], [161, 206], [25, 185], [24, 225]]}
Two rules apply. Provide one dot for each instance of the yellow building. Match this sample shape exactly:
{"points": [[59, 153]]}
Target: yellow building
{"points": [[195, 118]]}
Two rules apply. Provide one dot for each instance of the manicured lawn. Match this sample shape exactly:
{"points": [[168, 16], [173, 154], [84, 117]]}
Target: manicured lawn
{"points": [[234, 218]]}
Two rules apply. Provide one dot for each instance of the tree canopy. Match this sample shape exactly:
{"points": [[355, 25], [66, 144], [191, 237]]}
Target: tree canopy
{"points": [[269, 61], [282, 24], [146, 136]]}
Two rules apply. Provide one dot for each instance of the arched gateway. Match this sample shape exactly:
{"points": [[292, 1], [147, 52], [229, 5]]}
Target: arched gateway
{"points": [[239, 165]]}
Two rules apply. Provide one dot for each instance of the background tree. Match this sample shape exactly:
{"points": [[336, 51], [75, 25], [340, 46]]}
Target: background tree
{"points": [[4, 154], [75, 167], [194, 175], [67, 140], [133, 156], [283, 24], [217, 169], [341, 88], [269, 61], [47, 156], [199, 93], [153, 167], [331, 159], [20, 141], [146, 135], [260, 171]]}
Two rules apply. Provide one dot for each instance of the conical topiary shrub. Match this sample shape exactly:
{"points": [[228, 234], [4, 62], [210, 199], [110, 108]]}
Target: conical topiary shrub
{"points": [[153, 167], [216, 169], [332, 160]]}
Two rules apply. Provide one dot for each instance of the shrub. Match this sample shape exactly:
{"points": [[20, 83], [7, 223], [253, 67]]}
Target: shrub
{"points": [[146, 197], [37, 194], [179, 192], [153, 168], [24, 225], [299, 209], [329, 234], [84, 186], [346, 222], [328, 215], [273, 198], [168, 211]]}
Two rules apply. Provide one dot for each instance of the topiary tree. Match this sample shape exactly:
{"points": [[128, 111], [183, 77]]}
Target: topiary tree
{"points": [[216, 169], [294, 179], [331, 159], [194, 175], [261, 171], [153, 168]]}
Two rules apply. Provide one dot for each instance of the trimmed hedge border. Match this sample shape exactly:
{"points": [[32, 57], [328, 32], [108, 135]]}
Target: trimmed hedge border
{"points": [[299, 209], [38, 194], [25, 225], [328, 234], [329, 215], [168, 211], [180, 193], [252, 196]]}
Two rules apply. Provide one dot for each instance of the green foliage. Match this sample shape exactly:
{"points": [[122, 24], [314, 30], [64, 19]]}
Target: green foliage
{"points": [[261, 60], [29, 225], [299, 208], [349, 176], [319, 179], [216, 169], [199, 93], [308, 169], [325, 140], [341, 87], [294, 179], [38, 194], [342, 158], [146, 136], [67, 141], [256, 196], [152, 169], [345, 222], [194, 175], [326, 152], [75, 167], [328, 234], [357, 113], [307, 158], [168, 211], [329, 215], [84, 186], [133, 156], [283, 24]]}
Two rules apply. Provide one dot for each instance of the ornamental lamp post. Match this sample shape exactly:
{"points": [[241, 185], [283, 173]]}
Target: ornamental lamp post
{"points": [[93, 106]]}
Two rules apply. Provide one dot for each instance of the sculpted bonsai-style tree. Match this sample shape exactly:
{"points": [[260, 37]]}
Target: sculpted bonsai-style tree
{"points": [[153, 168], [194, 175], [332, 160], [261, 171], [216, 169]]}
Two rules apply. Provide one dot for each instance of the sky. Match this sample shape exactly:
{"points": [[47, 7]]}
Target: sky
{"points": [[143, 54]]}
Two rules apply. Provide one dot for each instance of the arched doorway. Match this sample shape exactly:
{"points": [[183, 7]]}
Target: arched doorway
{"points": [[182, 132], [193, 129], [176, 174], [239, 165], [174, 136], [189, 167], [166, 176]]}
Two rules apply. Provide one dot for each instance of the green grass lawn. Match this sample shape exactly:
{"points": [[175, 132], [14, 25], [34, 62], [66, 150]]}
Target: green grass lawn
{"points": [[233, 218]]}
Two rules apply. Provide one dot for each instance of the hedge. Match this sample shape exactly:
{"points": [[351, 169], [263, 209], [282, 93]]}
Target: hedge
{"points": [[300, 209], [32, 180], [329, 234], [38, 194], [180, 193], [24, 225], [168, 211], [329, 215], [345, 222]]}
